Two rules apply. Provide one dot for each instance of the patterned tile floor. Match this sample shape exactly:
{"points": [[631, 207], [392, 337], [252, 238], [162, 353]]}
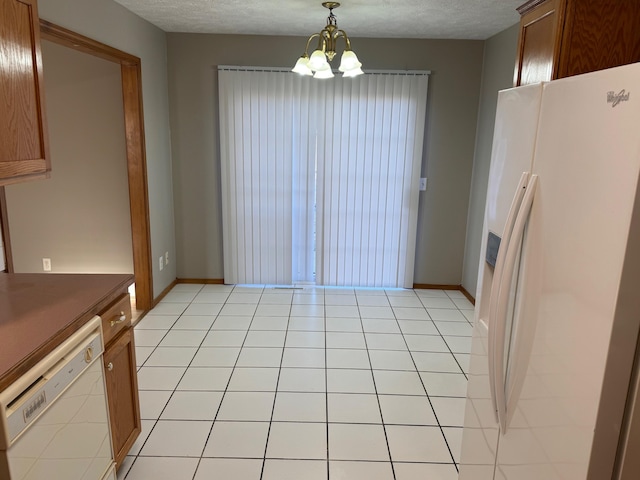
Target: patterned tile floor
{"points": [[263, 383]]}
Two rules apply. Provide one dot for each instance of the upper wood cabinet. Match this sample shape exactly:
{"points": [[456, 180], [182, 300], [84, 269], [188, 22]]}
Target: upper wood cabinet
{"points": [[24, 151], [561, 38]]}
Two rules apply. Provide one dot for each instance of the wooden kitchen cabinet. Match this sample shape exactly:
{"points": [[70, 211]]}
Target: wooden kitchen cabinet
{"points": [[24, 149], [561, 38], [121, 377]]}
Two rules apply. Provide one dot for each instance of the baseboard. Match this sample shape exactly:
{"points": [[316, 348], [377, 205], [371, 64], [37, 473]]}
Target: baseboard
{"points": [[156, 301], [208, 281], [431, 286]]}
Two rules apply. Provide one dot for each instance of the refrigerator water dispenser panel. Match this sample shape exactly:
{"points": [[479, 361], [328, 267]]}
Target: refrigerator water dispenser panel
{"points": [[493, 244]]}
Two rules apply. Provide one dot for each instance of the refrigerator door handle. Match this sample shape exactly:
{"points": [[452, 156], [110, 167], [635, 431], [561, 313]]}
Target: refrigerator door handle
{"points": [[497, 280], [502, 302]]}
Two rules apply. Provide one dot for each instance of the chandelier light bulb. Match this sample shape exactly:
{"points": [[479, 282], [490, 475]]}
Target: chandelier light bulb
{"points": [[353, 73], [326, 73], [349, 61], [302, 66], [318, 61]]}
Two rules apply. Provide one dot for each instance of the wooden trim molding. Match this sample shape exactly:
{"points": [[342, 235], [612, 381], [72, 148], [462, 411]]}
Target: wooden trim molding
{"points": [[164, 292], [208, 281], [4, 226], [135, 145], [468, 295]]}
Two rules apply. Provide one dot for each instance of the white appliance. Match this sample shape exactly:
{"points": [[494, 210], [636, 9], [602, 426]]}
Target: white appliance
{"points": [[54, 422], [558, 300]]}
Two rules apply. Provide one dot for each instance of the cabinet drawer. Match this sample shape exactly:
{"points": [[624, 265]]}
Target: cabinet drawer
{"points": [[116, 318]]}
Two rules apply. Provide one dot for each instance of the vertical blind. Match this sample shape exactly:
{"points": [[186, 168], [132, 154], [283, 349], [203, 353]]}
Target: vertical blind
{"points": [[320, 178]]}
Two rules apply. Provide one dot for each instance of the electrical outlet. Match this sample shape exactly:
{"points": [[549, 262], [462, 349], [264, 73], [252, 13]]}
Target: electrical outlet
{"points": [[161, 264], [423, 184], [46, 264], [166, 258]]}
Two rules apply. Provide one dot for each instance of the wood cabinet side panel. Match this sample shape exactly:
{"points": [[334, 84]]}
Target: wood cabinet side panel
{"points": [[23, 127], [599, 34]]}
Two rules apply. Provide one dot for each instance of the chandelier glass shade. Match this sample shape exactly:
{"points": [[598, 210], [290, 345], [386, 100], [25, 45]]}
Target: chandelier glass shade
{"points": [[318, 63]]}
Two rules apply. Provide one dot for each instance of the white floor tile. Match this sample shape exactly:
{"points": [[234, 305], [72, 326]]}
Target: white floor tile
{"points": [[237, 439], [294, 470], [400, 383], [192, 406], [307, 324], [163, 468], [445, 384], [142, 353], [418, 327], [308, 299], [349, 381], [238, 322], [268, 310], [391, 360], [183, 338], [463, 329], [152, 403], [353, 408], [146, 426], [417, 444], [211, 297], [171, 357], [244, 298], [229, 469], [446, 315], [148, 338], [376, 312], [407, 410], [345, 358], [248, 289], [436, 362], [426, 343], [217, 288], [260, 357], [405, 313], [303, 358], [224, 338], [305, 339], [463, 303], [215, 357], [339, 291], [450, 411], [399, 292], [331, 299], [375, 325], [405, 301], [302, 441], [385, 341], [265, 339], [179, 297], [203, 309], [247, 406], [340, 324], [177, 438], [373, 300], [307, 311], [238, 309], [357, 442], [342, 311], [302, 380], [464, 360], [159, 378], [269, 323], [344, 470], [370, 291], [413, 471], [276, 298], [300, 407], [156, 322], [168, 309], [434, 302], [431, 293], [194, 322], [205, 378], [187, 287], [350, 340], [125, 466], [468, 314], [253, 380]]}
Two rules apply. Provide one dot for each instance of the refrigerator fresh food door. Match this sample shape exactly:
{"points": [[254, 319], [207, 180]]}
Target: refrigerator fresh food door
{"points": [[512, 155], [579, 278]]}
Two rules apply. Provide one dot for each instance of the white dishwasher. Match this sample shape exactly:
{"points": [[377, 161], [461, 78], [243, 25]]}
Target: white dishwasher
{"points": [[55, 422]]}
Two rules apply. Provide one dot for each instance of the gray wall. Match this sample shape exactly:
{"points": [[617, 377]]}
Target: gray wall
{"points": [[79, 218], [452, 112], [497, 74], [110, 23]]}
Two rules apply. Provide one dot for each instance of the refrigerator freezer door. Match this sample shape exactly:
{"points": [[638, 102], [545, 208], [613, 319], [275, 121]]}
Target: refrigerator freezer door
{"points": [[573, 303], [512, 154]]}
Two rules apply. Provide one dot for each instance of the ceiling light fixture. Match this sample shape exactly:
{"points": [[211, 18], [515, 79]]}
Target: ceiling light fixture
{"points": [[320, 58]]}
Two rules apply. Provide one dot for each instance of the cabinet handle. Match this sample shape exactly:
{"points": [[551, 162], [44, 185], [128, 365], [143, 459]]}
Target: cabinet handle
{"points": [[109, 366], [120, 319]]}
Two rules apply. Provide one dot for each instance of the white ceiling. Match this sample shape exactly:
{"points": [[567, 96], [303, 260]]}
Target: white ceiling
{"points": [[460, 19]]}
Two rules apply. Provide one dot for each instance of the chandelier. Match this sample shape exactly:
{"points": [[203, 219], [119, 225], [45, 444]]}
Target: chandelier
{"points": [[320, 58]]}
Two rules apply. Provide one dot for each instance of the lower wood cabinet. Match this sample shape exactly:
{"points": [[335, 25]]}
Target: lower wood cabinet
{"points": [[122, 388]]}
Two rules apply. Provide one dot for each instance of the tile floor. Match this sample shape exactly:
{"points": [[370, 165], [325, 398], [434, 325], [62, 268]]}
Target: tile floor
{"points": [[263, 383]]}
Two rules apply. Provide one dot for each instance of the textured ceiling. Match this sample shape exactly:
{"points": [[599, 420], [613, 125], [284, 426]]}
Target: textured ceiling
{"points": [[461, 19]]}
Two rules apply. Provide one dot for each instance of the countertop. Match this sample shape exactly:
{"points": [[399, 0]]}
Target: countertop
{"points": [[39, 311]]}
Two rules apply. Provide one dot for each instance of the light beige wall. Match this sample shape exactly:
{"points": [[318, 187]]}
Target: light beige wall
{"points": [[79, 218], [497, 74], [112, 24], [450, 135]]}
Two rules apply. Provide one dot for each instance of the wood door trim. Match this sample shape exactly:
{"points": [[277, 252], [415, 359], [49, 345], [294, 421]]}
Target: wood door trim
{"points": [[135, 145], [4, 226]]}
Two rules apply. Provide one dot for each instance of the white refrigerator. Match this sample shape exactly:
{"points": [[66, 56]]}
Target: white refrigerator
{"points": [[558, 301]]}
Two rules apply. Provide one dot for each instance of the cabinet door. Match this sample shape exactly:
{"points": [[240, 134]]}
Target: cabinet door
{"points": [[23, 132], [539, 42], [122, 392]]}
